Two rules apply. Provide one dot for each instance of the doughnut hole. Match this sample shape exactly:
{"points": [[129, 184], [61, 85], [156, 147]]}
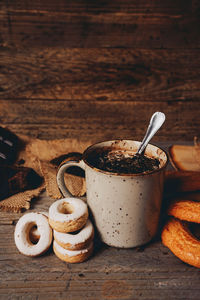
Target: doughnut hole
{"points": [[194, 228], [66, 208], [33, 234]]}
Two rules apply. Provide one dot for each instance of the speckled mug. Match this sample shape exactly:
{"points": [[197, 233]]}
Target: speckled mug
{"points": [[125, 207]]}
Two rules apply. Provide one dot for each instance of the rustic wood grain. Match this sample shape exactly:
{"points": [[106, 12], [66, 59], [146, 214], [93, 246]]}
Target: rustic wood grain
{"points": [[126, 6], [155, 25], [103, 93], [99, 92], [102, 74], [25, 30], [65, 119]]}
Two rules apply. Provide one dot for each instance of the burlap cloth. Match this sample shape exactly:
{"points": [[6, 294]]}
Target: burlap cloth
{"points": [[44, 157]]}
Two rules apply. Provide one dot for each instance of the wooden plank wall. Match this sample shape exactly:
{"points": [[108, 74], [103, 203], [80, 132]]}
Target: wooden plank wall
{"points": [[99, 70]]}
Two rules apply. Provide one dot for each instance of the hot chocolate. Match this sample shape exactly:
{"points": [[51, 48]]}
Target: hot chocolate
{"points": [[124, 162]]}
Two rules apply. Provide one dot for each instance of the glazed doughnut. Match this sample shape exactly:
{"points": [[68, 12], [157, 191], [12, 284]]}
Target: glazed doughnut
{"points": [[177, 237], [75, 256], [68, 215], [186, 210], [22, 234], [75, 241]]}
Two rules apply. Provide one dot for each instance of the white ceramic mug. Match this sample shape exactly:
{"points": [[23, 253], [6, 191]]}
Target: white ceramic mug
{"points": [[125, 207]]}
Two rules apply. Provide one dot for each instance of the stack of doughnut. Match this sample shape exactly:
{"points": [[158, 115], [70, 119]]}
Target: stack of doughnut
{"points": [[73, 232], [176, 234]]}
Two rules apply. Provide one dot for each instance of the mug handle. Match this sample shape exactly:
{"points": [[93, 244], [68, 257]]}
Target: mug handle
{"points": [[61, 172]]}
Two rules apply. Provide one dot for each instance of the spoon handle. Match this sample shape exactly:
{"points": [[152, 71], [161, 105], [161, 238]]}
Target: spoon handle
{"points": [[156, 122]]}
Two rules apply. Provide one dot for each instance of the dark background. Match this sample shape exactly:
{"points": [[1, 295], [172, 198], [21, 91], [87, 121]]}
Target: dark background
{"points": [[99, 69]]}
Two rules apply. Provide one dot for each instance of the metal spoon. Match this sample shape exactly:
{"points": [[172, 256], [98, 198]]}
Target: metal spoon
{"points": [[157, 119]]}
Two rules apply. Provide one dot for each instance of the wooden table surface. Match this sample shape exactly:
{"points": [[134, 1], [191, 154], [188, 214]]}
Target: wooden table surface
{"points": [[148, 272]]}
